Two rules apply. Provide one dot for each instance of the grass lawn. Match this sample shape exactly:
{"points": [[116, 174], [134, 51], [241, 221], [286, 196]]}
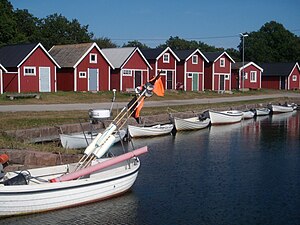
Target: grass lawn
{"points": [[106, 96]]}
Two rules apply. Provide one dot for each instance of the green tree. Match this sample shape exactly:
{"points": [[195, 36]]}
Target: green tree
{"points": [[136, 43], [27, 26], [177, 43], [271, 43], [234, 54], [8, 29], [57, 29], [105, 42]]}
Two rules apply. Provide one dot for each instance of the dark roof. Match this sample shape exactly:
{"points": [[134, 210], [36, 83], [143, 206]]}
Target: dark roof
{"points": [[152, 53], [238, 65], [212, 56], [183, 54], [277, 69], [13, 55]]}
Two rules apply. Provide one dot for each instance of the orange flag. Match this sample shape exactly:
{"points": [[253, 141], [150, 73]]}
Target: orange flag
{"points": [[138, 108], [159, 87]]}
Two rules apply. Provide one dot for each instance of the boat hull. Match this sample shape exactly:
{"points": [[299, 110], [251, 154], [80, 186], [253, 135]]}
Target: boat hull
{"points": [[191, 123], [248, 115], [156, 130], [281, 109], [225, 117], [33, 198], [77, 141], [262, 112]]}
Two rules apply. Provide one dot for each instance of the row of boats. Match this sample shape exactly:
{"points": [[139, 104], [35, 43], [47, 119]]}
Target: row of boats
{"points": [[210, 117], [207, 118]]}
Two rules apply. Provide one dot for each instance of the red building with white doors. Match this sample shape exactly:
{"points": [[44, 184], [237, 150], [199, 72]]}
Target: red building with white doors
{"points": [[131, 69], [283, 76], [84, 67], [190, 70], [30, 68], [252, 76], [217, 72], [163, 61]]}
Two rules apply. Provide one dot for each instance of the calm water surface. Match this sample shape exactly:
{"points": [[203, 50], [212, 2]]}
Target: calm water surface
{"points": [[245, 173]]}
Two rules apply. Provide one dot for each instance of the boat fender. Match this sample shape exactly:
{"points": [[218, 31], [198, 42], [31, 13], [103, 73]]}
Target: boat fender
{"points": [[4, 159], [3, 163]]}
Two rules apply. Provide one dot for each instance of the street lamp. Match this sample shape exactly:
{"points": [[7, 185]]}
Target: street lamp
{"points": [[243, 74]]}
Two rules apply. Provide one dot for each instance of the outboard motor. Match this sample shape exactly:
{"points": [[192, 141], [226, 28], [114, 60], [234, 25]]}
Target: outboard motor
{"points": [[20, 179]]}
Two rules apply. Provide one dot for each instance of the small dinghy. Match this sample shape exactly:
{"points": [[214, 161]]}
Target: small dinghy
{"points": [[193, 123], [248, 114], [225, 117], [82, 140], [150, 131], [281, 108], [262, 111]]}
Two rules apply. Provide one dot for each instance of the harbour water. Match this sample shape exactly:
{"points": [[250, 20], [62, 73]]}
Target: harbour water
{"points": [[244, 173]]}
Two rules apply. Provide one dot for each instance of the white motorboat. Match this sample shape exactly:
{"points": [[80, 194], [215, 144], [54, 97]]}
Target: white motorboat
{"points": [[150, 131], [225, 117], [248, 114], [39, 190], [193, 123], [91, 179], [82, 140], [281, 108], [262, 111]]}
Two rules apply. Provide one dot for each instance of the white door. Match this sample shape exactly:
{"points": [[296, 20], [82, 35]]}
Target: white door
{"points": [[45, 81], [93, 79]]}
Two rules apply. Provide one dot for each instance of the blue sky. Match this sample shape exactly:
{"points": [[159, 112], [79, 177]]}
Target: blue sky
{"points": [[152, 22]]}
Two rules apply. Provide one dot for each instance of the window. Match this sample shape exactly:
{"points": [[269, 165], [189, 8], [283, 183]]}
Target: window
{"points": [[226, 77], [294, 78], [93, 58], [253, 76], [166, 58], [195, 59], [189, 75], [126, 73], [29, 71], [222, 62], [245, 76], [82, 74]]}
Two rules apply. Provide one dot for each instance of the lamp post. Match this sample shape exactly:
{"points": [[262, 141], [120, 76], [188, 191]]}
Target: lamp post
{"points": [[243, 73]]}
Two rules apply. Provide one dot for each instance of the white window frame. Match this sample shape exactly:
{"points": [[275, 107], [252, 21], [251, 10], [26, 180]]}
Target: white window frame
{"points": [[226, 77], [167, 60], [245, 76], [294, 78], [194, 59], [82, 74], [189, 75], [127, 73], [95, 60], [253, 74], [222, 62], [29, 73]]}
